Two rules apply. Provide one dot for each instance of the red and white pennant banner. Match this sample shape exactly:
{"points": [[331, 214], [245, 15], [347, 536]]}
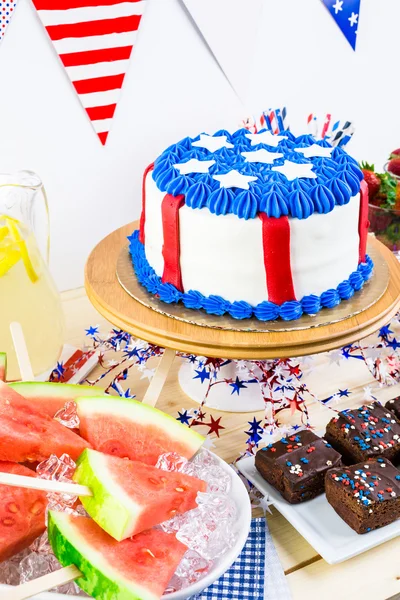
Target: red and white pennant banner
{"points": [[94, 40]]}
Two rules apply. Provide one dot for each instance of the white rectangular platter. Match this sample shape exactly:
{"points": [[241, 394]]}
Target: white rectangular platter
{"points": [[318, 523]]}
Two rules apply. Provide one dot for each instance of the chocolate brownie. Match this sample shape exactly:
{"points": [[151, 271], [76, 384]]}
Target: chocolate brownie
{"points": [[365, 432], [394, 406], [296, 465], [367, 495]]}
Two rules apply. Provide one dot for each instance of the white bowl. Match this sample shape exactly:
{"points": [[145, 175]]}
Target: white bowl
{"points": [[241, 498]]}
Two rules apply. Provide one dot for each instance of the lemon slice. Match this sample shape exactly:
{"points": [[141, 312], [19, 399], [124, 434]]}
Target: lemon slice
{"points": [[3, 233], [8, 259], [23, 250]]}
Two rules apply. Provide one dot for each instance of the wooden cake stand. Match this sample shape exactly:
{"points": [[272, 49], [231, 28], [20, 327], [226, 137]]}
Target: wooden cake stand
{"points": [[117, 306]]}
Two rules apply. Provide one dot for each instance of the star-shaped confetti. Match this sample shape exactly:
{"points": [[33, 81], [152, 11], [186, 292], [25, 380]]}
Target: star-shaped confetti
{"points": [[393, 344], [91, 331], [293, 170], [184, 417], [237, 386], [235, 179], [202, 374], [212, 143], [384, 331], [265, 137], [261, 156], [214, 425], [335, 357], [194, 166], [315, 150]]}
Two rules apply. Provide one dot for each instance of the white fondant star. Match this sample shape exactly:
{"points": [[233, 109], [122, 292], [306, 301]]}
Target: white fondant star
{"points": [[353, 19], [293, 170], [194, 166], [235, 179], [262, 156], [338, 6], [265, 137], [212, 143], [315, 150]]}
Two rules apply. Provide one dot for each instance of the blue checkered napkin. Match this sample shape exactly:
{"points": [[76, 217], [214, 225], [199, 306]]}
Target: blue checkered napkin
{"points": [[245, 579]]}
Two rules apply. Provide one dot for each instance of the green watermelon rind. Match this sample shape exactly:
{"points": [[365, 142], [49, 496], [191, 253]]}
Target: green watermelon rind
{"points": [[100, 579], [3, 366], [110, 506], [52, 389], [142, 414]]}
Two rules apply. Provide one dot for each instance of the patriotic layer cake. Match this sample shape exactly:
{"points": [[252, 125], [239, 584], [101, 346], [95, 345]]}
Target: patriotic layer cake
{"points": [[253, 224]]}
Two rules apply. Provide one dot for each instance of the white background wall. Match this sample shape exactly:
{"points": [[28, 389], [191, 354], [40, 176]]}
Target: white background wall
{"points": [[175, 88]]}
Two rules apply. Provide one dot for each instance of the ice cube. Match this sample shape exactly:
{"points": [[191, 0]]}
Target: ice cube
{"points": [[68, 416]]}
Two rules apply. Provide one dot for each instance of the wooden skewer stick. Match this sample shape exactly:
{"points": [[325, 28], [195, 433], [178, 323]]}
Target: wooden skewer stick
{"points": [[21, 351], [35, 483], [42, 584], [156, 384]]}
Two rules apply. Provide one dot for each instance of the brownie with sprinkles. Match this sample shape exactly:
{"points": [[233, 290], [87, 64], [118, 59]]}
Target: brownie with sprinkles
{"points": [[365, 432], [367, 495], [296, 465], [394, 406]]}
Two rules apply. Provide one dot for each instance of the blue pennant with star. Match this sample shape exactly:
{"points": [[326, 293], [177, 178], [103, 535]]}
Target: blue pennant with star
{"points": [[346, 14]]}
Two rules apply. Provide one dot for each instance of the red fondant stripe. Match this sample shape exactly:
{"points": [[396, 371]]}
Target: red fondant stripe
{"points": [[99, 84], [143, 214], [101, 112], [171, 248], [66, 4], [363, 223], [90, 28], [91, 57], [276, 246]]}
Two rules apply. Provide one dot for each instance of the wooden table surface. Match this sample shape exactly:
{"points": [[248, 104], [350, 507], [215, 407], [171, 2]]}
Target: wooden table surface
{"points": [[374, 575]]}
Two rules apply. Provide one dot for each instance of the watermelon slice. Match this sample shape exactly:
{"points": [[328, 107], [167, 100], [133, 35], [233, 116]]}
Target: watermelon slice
{"points": [[130, 497], [129, 429], [29, 436], [22, 513], [50, 397], [138, 568], [3, 366]]}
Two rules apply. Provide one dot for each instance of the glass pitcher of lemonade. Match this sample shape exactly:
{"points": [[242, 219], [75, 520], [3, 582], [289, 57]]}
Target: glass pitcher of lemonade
{"points": [[27, 292]]}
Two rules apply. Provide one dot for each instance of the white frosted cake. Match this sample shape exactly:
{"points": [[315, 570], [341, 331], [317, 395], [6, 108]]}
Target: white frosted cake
{"points": [[271, 226]]}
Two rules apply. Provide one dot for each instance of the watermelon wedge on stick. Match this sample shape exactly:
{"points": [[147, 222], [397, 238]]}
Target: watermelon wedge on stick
{"points": [[138, 568], [22, 513], [29, 436], [130, 497], [50, 397], [3, 366], [130, 429]]}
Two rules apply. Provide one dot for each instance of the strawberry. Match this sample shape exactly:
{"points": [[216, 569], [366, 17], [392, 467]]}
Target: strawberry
{"points": [[395, 154], [394, 166], [371, 179]]}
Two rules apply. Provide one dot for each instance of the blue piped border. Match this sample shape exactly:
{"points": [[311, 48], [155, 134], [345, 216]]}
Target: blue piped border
{"points": [[266, 311]]}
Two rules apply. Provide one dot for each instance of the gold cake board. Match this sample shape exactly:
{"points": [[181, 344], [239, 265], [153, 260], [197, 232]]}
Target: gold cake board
{"points": [[233, 339]]}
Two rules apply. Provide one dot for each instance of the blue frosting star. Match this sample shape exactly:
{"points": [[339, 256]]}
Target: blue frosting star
{"points": [[184, 417], [344, 393], [203, 375], [237, 386]]}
